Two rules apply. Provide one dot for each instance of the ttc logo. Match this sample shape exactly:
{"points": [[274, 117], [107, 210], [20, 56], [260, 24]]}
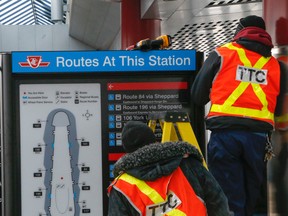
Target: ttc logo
{"points": [[34, 62]]}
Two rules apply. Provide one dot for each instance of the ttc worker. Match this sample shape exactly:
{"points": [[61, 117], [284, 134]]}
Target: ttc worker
{"points": [[245, 85], [155, 179]]}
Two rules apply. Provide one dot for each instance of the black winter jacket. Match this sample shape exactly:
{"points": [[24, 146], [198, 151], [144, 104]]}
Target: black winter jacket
{"points": [[156, 160]]}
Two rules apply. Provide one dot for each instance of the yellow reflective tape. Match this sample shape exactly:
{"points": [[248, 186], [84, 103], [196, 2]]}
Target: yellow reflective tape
{"points": [[175, 212], [261, 62], [239, 91], [261, 95], [144, 188], [241, 54], [245, 112], [235, 94]]}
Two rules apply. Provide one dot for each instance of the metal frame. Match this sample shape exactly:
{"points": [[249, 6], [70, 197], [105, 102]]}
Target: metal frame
{"points": [[28, 12]]}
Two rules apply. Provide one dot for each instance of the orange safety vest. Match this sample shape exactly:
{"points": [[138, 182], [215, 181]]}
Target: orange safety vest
{"points": [[246, 86], [167, 196]]}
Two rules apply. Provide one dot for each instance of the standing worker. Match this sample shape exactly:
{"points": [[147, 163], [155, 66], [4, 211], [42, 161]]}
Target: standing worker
{"points": [[244, 84], [155, 179]]}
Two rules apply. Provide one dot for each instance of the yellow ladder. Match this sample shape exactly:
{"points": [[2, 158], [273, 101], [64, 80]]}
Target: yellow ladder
{"points": [[175, 126]]}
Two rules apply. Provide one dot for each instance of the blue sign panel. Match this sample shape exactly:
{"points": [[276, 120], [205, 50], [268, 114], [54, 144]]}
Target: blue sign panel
{"points": [[103, 61]]}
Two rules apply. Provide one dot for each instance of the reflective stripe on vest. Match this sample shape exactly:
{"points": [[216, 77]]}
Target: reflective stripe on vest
{"points": [[227, 107], [153, 199], [150, 192]]}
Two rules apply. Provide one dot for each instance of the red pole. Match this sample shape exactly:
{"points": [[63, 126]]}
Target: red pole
{"points": [[133, 27], [276, 18]]}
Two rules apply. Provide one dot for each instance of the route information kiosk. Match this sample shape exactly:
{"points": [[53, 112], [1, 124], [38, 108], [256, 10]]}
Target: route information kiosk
{"points": [[62, 114]]}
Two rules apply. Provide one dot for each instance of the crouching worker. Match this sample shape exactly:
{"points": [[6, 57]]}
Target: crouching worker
{"points": [[156, 179]]}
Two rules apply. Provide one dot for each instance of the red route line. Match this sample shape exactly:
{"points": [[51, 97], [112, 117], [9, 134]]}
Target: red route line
{"points": [[114, 156], [147, 86]]}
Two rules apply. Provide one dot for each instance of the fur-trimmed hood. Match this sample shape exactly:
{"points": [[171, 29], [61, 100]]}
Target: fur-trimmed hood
{"points": [[155, 160]]}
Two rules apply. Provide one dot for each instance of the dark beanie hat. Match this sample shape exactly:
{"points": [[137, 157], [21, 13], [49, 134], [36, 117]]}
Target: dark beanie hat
{"points": [[251, 20], [136, 134]]}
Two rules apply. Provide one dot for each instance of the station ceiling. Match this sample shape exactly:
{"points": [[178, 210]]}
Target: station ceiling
{"points": [[25, 12], [193, 24]]}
